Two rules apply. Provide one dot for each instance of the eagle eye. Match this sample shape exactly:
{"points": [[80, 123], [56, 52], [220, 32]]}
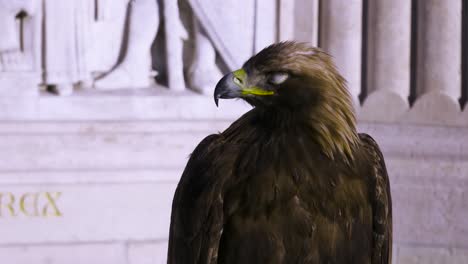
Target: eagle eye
{"points": [[278, 78]]}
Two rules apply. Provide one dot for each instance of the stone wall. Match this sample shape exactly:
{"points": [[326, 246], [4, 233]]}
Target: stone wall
{"points": [[89, 177], [110, 181]]}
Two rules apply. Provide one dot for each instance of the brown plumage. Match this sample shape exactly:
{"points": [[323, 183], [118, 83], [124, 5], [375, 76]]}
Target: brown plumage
{"points": [[291, 181]]}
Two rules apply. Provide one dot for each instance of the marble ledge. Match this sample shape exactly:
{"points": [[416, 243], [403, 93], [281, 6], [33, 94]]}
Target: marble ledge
{"points": [[444, 174], [161, 104], [131, 104]]}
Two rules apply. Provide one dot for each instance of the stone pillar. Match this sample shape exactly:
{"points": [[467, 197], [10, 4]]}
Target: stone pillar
{"points": [[389, 45], [286, 20], [175, 35], [341, 36], [439, 61]]}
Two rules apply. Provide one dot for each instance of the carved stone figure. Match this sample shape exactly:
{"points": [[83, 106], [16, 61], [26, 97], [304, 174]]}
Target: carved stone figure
{"points": [[211, 36], [66, 26], [175, 35], [203, 73], [134, 69], [81, 39]]}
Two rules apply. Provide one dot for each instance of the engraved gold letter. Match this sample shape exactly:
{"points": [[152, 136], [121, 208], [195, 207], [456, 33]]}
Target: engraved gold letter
{"points": [[23, 206], [9, 205], [52, 203]]}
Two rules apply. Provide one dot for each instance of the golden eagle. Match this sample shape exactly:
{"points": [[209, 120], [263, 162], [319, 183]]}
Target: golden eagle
{"points": [[291, 181]]}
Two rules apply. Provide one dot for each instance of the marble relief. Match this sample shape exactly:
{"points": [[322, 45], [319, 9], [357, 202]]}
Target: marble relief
{"points": [[107, 45], [19, 52]]}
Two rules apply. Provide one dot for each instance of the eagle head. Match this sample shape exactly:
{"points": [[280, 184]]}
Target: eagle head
{"points": [[300, 79]]}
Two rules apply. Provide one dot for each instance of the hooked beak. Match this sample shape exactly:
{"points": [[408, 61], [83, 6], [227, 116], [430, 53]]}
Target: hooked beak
{"points": [[227, 88], [233, 85]]}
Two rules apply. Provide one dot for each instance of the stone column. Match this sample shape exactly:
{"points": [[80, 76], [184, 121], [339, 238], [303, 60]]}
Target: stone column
{"points": [[439, 61], [286, 20], [389, 45], [341, 36]]}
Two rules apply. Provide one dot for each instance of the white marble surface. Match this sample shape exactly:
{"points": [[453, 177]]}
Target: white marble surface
{"points": [[341, 35], [234, 37], [102, 253], [88, 213], [147, 253], [388, 58], [131, 104], [438, 66], [134, 69], [115, 156], [203, 73], [123, 191]]}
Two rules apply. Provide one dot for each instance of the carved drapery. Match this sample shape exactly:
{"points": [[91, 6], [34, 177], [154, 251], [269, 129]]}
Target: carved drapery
{"points": [[132, 68]]}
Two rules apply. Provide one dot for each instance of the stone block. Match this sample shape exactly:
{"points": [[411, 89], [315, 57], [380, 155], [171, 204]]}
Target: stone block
{"points": [[84, 212], [113, 253], [433, 215], [147, 253], [91, 177], [413, 142], [136, 105], [427, 255], [23, 84], [87, 151]]}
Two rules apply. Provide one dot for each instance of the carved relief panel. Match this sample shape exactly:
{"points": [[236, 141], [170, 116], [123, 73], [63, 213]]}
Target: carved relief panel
{"points": [[106, 45], [19, 47]]}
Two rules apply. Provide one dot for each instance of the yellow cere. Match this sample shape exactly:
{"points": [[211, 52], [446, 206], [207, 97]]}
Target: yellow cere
{"points": [[239, 77]]}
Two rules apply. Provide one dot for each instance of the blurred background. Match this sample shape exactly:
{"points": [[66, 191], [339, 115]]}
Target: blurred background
{"points": [[102, 101]]}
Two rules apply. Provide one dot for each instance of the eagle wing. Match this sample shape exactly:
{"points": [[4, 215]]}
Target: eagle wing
{"points": [[197, 209], [381, 203]]}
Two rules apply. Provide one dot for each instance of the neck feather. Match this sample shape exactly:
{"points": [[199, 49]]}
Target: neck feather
{"points": [[334, 122]]}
